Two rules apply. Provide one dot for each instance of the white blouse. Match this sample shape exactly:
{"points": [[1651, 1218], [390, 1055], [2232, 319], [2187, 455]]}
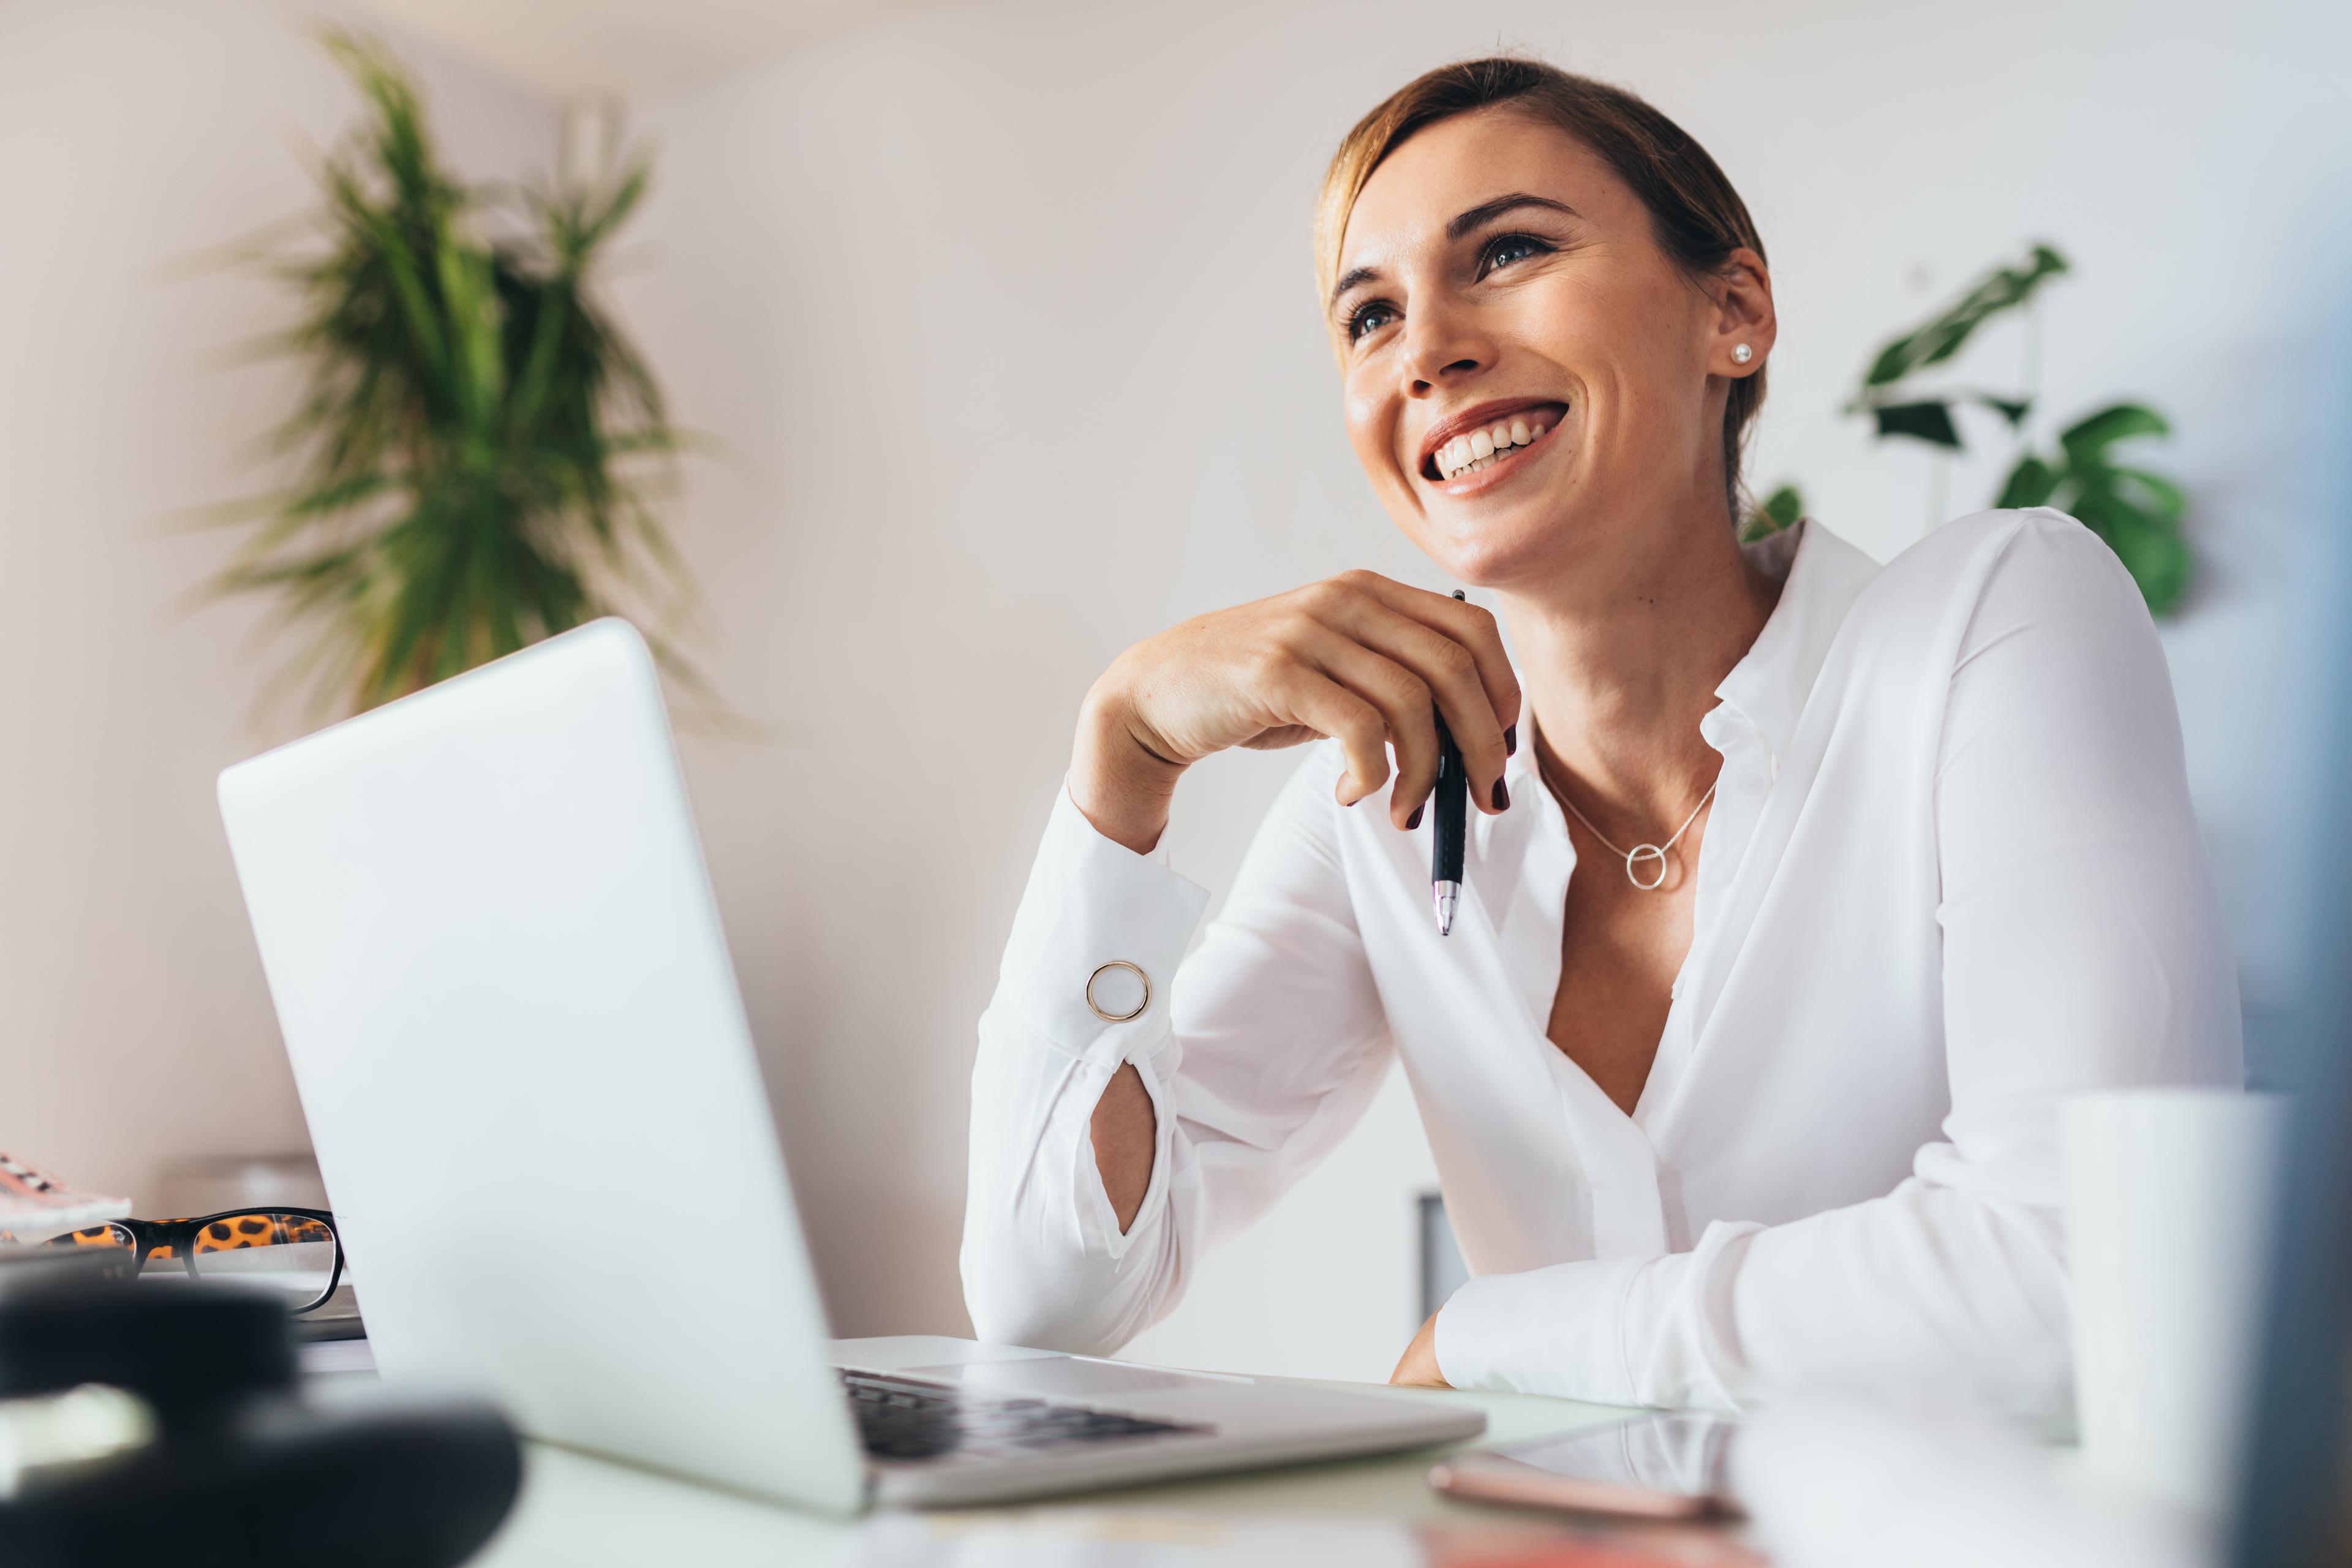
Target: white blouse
{"points": [[1951, 877]]}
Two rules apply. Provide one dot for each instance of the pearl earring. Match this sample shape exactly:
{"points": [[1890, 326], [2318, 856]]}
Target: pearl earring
{"points": [[1742, 353]]}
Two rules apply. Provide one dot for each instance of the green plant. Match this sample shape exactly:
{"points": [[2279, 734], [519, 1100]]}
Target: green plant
{"points": [[1886, 395], [2138, 512], [470, 445], [1776, 511]]}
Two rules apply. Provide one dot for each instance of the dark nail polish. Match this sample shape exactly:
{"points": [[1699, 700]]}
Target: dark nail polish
{"points": [[1510, 739], [1501, 797], [1415, 820]]}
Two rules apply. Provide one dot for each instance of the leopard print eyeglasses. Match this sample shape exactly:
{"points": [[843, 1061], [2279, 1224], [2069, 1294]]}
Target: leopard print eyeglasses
{"points": [[295, 1251]]}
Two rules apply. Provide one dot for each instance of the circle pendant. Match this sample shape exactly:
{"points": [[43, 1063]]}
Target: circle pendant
{"points": [[1647, 857]]}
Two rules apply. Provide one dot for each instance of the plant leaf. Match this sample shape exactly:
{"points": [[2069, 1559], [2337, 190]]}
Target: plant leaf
{"points": [[2152, 550], [2012, 409], [476, 445], [2088, 439], [2149, 545], [2162, 498], [1778, 511], [1929, 421], [2032, 483], [1942, 335]]}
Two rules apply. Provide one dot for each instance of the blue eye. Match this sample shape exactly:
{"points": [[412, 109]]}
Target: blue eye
{"points": [[1370, 318], [1504, 249]]}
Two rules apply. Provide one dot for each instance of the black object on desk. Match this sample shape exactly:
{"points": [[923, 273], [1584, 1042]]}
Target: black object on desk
{"points": [[160, 1421], [1451, 799]]}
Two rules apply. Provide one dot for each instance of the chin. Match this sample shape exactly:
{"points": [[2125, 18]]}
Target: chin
{"points": [[1492, 553]]}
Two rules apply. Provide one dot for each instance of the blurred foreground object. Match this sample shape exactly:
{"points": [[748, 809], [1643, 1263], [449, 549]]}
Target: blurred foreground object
{"points": [[2169, 1194], [466, 434], [160, 1422], [1838, 1485]]}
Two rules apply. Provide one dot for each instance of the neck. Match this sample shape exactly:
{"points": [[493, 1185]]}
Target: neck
{"points": [[1620, 660]]}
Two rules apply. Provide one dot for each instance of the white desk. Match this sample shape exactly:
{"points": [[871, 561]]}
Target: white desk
{"points": [[578, 1512]]}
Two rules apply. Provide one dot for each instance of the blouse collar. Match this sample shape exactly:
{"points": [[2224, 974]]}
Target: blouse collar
{"points": [[1821, 577]]}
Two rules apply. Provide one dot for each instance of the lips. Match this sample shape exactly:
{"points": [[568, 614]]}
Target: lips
{"points": [[1478, 437]]}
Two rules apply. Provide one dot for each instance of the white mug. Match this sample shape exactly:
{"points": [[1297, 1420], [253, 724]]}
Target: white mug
{"points": [[2168, 1200]]}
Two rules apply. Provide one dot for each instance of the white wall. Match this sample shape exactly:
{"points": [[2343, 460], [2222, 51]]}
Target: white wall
{"points": [[1004, 314], [136, 137]]}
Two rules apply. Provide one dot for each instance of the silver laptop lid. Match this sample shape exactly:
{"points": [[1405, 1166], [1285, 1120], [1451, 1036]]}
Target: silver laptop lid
{"points": [[499, 968]]}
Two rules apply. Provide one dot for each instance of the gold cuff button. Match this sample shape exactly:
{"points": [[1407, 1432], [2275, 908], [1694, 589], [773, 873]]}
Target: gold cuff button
{"points": [[1096, 1007]]}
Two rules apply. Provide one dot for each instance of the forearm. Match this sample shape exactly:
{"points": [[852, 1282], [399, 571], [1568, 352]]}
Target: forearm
{"points": [[1121, 785], [1087, 1197], [1046, 1261], [1123, 1131], [1929, 1292]]}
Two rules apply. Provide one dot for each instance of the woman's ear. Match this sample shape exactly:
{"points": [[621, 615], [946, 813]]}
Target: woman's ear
{"points": [[1746, 325]]}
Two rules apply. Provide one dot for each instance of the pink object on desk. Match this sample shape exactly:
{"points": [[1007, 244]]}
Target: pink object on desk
{"points": [[35, 1205]]}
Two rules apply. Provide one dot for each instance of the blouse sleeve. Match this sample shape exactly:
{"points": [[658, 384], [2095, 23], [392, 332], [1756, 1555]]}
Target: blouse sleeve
{"points": [[1259, 1051], [2083, 949]]}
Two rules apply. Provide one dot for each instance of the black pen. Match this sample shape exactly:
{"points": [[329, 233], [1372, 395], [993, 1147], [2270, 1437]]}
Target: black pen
{"points": [[1452, 802]]}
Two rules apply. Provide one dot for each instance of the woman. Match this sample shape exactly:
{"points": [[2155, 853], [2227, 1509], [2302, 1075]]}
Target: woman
{"points": [[1802, 888]]}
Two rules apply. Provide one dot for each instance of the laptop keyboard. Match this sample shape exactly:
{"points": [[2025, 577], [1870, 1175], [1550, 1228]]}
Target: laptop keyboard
{"points": [[897, 1419]]}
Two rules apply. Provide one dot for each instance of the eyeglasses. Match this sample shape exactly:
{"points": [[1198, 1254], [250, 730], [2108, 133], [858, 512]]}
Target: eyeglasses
{"points": [[295, 1251]]}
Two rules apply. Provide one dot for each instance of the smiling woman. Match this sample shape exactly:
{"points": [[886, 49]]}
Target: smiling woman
{"points": [[1774, 1107], [1695, 218]]}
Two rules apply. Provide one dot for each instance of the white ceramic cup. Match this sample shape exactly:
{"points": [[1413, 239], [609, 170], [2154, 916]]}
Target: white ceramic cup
{"points": [[2169, 1196]]}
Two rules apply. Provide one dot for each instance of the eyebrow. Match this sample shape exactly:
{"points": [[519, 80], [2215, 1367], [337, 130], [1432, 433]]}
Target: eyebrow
{"points": [[1351, 280], [1463, 223], [1487, 212]]}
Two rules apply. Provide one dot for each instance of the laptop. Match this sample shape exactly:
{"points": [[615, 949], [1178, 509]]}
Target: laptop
{"points": [[501, 974]]}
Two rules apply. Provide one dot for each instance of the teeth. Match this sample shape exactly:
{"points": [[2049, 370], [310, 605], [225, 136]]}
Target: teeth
{"points": [[1481, 448]]}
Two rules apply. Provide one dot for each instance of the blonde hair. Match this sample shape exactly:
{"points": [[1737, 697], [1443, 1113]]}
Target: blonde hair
{"points": [[1698, 218]]}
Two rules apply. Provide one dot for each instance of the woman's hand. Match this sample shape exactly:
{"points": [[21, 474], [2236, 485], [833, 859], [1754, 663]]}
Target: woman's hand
{"points": [[1355, 657], [1418, 1369]]}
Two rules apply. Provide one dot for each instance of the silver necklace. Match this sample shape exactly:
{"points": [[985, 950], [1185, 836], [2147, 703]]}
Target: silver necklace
{"points": [[1647, 857]]}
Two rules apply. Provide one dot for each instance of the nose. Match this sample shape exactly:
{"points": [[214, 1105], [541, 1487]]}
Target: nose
{"points": [[1444, 347]]}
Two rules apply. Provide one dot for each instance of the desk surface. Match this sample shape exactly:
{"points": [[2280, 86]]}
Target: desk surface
{"points": [[579, 1512]]}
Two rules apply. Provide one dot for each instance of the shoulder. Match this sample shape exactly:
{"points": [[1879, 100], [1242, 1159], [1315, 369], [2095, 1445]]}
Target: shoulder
{"points": [[2035, 548], [1997, 567], [2034, 585]]}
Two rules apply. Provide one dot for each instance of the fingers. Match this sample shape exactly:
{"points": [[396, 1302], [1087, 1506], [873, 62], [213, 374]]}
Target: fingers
{"points": [[1455, 651], [1308, 696], [1472, 625], [1358, 658], [1406, 714]]}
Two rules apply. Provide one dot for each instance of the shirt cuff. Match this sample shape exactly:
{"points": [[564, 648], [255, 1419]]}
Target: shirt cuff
{"points": [[1092, 901], [1557, 1330]]}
